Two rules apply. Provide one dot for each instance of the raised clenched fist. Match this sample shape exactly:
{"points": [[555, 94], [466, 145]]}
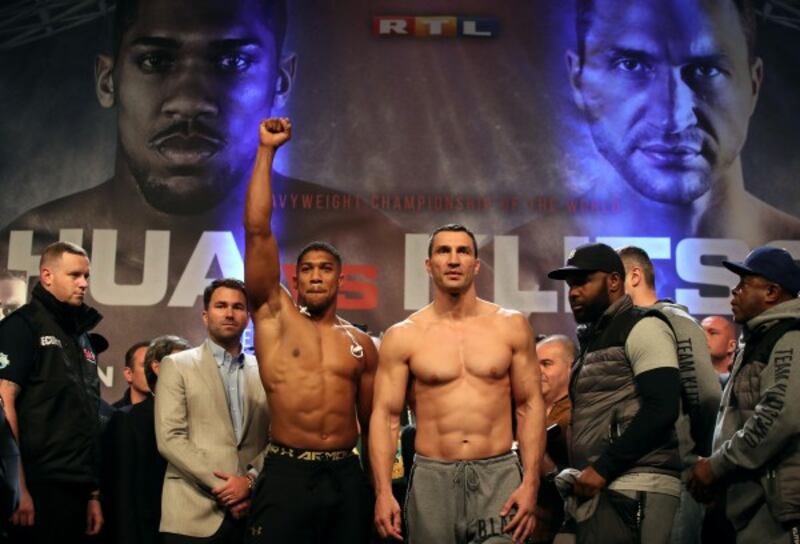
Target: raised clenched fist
{"points": [[275, 131]]}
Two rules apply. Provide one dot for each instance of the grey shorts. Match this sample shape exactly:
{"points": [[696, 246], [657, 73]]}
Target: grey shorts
{"points": [[460, 501]]}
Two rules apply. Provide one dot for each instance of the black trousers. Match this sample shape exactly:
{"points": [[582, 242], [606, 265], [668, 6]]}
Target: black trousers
{"points": [[59, 514], [230, 532], [311, 502]]}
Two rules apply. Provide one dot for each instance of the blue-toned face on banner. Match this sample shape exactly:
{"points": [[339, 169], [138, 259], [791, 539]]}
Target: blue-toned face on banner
{"points": [[191, 81], [668, 88]]}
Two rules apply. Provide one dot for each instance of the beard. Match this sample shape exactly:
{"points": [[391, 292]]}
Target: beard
{"points": [[593, 309], [186, 190]]}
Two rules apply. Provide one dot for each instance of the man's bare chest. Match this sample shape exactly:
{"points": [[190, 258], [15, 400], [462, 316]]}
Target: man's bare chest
{"points": [[444, 356], [306, 358]]}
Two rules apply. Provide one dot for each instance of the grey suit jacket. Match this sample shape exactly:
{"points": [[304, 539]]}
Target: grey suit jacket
{"points": [[195, 435]]}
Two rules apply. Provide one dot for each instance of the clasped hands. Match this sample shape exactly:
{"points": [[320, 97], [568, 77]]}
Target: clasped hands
{"points": [[233, 493]]}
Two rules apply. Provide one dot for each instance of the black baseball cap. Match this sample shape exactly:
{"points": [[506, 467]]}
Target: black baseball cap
{"points": [[772, 263], [590, 258]]}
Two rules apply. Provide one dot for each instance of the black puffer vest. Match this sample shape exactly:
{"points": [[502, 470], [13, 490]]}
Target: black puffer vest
{"points": [[604, 395], [57, 408]]}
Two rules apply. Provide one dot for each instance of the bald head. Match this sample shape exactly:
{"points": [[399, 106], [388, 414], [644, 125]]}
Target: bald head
{"points": [[556, 354], [721, 337]]}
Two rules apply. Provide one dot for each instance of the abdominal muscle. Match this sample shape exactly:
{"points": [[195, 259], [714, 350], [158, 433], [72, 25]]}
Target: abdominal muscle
{"points": [[312, 409], [466, 419]]}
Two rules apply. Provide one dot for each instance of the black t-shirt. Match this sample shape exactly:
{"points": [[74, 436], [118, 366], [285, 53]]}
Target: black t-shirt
{"points": [[17, 349]]}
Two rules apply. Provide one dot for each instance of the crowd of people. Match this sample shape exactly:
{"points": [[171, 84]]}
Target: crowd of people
{"points": [[651, 428]]}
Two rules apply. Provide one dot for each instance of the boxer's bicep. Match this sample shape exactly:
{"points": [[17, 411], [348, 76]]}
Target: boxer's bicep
{"points": [[391, 377]]}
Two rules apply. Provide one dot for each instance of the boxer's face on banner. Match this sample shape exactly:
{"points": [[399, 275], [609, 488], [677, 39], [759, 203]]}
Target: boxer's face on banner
{"points": [[191, 82], [667, 89]]}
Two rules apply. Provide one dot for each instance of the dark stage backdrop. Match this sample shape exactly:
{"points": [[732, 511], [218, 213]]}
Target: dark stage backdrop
{"points": [[406, 115]]}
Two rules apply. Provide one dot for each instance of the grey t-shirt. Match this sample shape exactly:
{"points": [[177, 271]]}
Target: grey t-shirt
{"points": [[650, 345]]}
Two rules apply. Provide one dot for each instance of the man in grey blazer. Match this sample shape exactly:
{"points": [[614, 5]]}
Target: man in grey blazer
{"points": [[212, 425]]}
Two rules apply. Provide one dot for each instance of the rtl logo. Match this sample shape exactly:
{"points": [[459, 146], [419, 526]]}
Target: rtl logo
{"points": [[444, 26]]}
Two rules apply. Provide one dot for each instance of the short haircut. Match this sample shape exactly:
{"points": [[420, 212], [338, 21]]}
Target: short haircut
{"points": [[230, 283], [747, 17], [570, 348], [126, 11], [452, 227], [158, 349], [132, 351], [730, 326], [320, 246], [57, 249], [640, 258]]}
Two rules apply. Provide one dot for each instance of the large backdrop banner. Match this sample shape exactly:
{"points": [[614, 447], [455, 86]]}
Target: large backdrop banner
{"points": [[130, 128]]}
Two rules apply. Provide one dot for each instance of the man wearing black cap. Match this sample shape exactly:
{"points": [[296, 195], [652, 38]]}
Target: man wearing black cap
{"points": [[625, 391], [756, 458]]}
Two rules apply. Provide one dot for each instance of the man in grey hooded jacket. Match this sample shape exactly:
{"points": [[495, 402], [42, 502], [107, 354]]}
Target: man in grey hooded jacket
{"points": [[756, 457]]}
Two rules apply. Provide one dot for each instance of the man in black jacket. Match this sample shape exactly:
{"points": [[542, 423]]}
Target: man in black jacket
{"points": [[50, 387], [137, 469], [625, 392]]}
